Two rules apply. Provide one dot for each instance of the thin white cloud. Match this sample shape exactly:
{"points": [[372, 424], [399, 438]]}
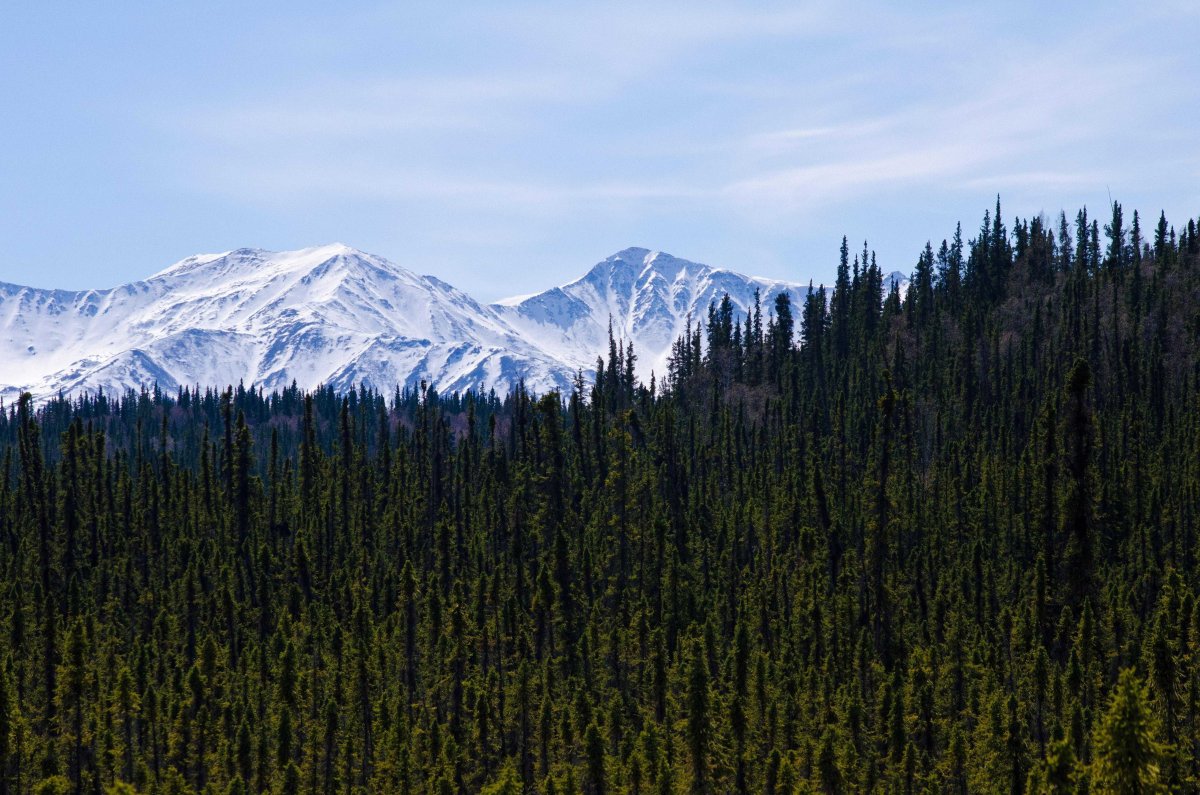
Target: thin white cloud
{"points": [[628, 109], [1035, 180], [277, 185], [1021, 124], [627, 39], [356, 108]]}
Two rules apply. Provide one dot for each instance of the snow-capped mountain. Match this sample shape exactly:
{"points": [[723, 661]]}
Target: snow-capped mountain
{"points": [[648, 295], [329, 315], [338, 316]]}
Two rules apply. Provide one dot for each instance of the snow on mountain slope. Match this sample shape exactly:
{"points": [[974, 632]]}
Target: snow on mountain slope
{"points": [[321, 315], [338, 316], [649, 296]]}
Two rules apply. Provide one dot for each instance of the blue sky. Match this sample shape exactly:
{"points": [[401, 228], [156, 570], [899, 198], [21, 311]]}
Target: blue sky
{"points": [[507, 146]]}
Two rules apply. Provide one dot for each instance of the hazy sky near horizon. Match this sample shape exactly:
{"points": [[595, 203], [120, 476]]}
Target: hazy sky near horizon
{"points": [[506, 147]]}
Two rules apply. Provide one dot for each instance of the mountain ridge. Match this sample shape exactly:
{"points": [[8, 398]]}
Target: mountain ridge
{"points": [[339, 316]]}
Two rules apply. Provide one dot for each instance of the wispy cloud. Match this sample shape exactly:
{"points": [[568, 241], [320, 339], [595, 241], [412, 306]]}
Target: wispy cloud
{"points": [[628, 39], [1034, 180], [749, 134], [735, 117], [359, 183], [1034, 121], [469, 134], [357, 108]]}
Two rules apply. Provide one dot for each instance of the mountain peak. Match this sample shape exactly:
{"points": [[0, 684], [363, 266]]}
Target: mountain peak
{"points": [[640, 258], [257, 260], [627, 260], [631, 254], [645, 296], [639, 265], [331, 251]]}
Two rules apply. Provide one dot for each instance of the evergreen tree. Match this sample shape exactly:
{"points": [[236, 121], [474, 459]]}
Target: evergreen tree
{"points": [[1129, 754]]}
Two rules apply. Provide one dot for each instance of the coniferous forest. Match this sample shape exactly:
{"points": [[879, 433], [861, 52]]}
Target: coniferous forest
{"points": [[944, 542]]}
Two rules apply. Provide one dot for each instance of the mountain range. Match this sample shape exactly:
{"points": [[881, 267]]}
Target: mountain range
{"points": [[338, 316]]}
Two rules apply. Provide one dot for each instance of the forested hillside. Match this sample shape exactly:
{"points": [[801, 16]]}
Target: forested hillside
{"points": [[944, 543]]}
